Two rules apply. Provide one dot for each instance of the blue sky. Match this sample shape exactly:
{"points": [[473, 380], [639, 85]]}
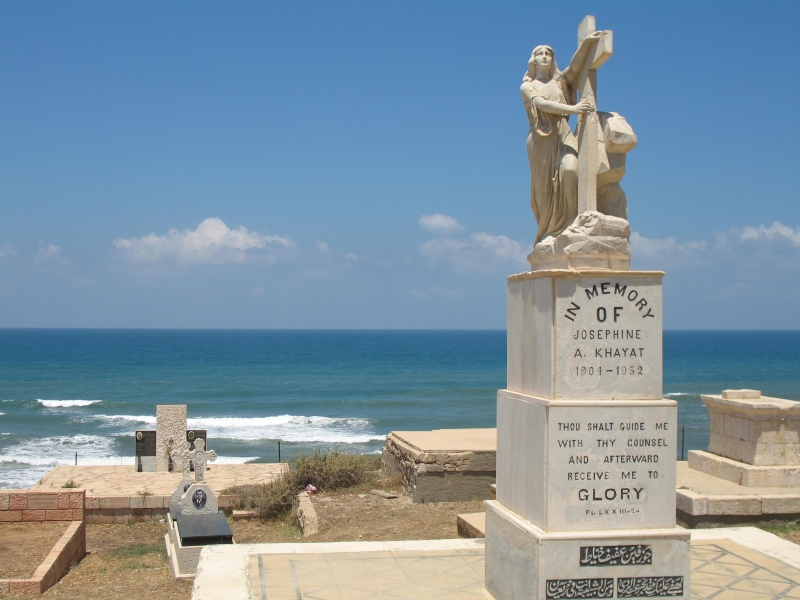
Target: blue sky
{"points": [[362, 165]]}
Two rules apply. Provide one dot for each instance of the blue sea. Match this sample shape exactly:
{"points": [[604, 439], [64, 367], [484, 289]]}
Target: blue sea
{"points": [[85, 392]]}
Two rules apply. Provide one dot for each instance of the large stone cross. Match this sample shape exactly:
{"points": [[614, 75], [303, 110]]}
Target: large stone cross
{"points": [[599, 51], [201, 456]]}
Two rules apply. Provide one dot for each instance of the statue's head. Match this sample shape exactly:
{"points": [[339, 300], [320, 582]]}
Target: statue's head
{"points": [[542, 57], [199, 444]]}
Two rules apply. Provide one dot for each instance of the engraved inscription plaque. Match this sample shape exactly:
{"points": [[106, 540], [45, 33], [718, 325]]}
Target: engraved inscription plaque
{"points": [[614, 556], [42, 501], [608, 338], [580, 588], [649, 587], [613, 467]]}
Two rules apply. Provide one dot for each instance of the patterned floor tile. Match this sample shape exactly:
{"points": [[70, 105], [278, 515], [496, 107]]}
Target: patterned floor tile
{"points": [[721, 570]]}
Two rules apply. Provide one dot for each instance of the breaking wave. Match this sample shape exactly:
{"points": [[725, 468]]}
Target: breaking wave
{"points": [[287, 428], [66, 403]]}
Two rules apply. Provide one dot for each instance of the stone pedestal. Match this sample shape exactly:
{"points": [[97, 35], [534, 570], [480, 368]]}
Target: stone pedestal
{"points": [[585, 444], [751, 470], [170, 432], [752, 429]]}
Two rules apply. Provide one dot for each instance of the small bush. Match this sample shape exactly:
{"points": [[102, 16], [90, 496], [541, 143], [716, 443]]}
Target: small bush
{"points": [[334, 470], [329, 471], [271, 500], [69, 484]]}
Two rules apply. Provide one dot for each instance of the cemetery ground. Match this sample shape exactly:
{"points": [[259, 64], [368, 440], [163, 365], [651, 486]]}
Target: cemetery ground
{"points": [[23, 546], [129, 560]]}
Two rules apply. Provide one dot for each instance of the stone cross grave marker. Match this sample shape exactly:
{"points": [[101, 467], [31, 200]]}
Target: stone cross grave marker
{"points": [[601, 46], [201, 456], [183, 455]]}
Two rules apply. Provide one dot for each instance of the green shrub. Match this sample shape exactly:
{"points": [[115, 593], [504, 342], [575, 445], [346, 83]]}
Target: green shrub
{"points": [[328, 471], [334, 470]]}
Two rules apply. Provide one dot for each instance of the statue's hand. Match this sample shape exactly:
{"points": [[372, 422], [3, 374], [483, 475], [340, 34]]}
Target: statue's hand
{"points": [[584, 106]]}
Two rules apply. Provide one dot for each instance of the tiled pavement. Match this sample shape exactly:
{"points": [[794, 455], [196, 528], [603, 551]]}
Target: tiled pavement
{"points": [[360, 575], [721, 569], [124, 481], [725, 570]]}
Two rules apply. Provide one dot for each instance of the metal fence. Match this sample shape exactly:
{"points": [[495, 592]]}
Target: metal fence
{"points": [[87, 460]]}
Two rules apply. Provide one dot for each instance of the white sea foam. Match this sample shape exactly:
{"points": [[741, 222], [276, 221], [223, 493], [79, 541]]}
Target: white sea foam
{"points": [[676, 394], [65, 403], [288, 428], [23, 464], [2, 414]]}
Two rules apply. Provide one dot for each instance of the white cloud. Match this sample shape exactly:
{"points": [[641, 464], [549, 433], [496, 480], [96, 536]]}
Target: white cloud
{"points": [[439, 223], [323, 247], [746, 248], [479, 251], [48, 251], [776, 232], [213, 242], [7, 251], [654, 247]]}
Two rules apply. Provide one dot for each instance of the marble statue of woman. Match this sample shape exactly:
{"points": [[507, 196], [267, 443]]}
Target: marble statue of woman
{"points": [[549, 97]]}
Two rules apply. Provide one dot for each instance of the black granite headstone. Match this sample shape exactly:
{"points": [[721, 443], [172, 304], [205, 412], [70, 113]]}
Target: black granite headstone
{"points": [[201, 530], [145, 447]]}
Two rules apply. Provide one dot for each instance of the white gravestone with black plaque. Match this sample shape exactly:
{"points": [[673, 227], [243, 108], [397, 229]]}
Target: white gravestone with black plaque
{"points": [[194, 519], [586, 443]]}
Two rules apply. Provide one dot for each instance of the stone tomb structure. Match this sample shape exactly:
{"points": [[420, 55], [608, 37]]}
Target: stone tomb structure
{"points": [[751, 470], [194, 519], [443, 465], [586, 455]]}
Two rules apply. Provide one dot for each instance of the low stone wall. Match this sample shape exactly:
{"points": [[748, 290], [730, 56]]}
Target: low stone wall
{"points": [[787, 476], [441, 476], [69, 549], [712, 510], [139, 507], [39, 507]]}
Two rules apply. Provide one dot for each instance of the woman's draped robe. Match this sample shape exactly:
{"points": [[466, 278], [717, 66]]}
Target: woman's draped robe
{"points": [[550, 139]]}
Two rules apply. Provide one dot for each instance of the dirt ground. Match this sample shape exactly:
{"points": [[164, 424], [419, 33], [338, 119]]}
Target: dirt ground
{"points": [[23, 547], [129, 561], [358, 515], [123, 561]]}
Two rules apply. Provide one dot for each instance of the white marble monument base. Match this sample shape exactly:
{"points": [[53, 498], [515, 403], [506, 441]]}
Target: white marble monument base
{"points": [[587, 466], [522, 561]]}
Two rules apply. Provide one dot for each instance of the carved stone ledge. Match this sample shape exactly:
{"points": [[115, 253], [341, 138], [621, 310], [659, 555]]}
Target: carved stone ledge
{"points": [[593, 241]]}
